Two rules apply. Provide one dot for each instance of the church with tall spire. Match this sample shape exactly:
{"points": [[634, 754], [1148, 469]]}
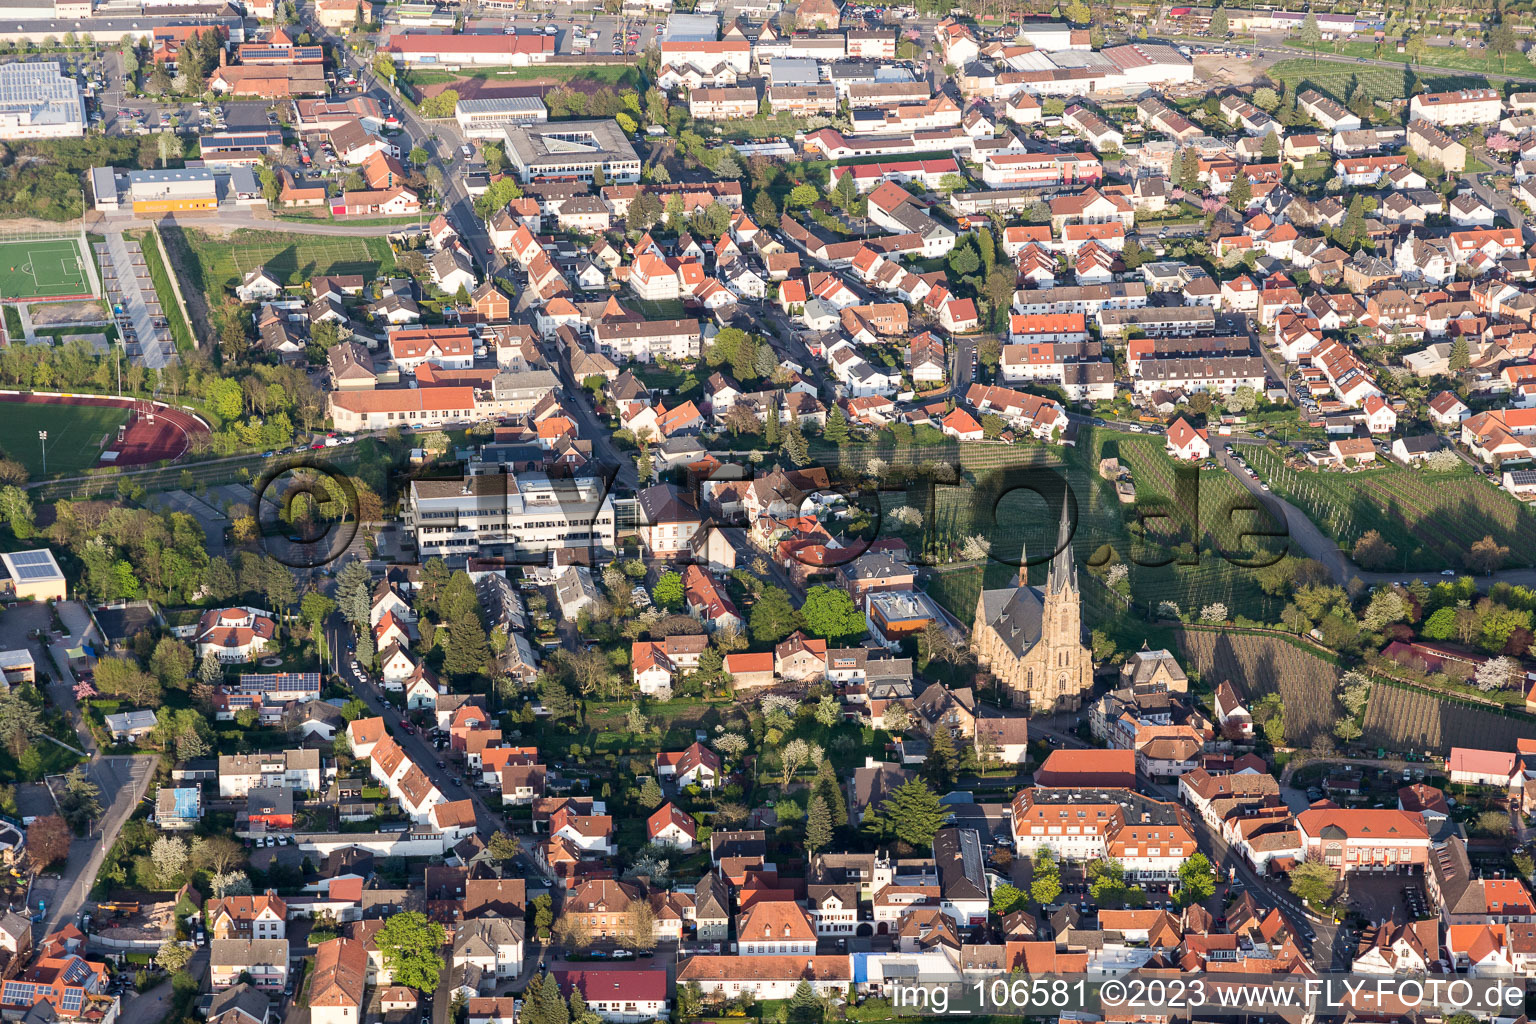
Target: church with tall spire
{"points": [[1031, 638]]}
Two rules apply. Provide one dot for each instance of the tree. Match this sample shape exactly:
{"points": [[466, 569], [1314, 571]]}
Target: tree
{"points": [[1046, 886], [232, 883], [468, 648], [793, 756], [1353, 231], [690, 1001], [1077, 12], [846, 192], [1271, 146], [169, 857], [668, 591], [828, 711], [217, 854], [1354, 692], [1503, 42], [172, 956], [1007, 898], [413, 949], [1491, 823], [81, 800], [643, 212], [830, 613], [805, 1006], [796, 449], [1219, 22], [122, 677], [1314, 882], [802, 196], [1241, 194], [1196, 882], [543, 914], [912, 814], [1460, 357], [818, 826], [1269, 715], [439, 106], [836, 429], [20, 722], [1495, 673], [503, 846], [642, 924], [942, 763], [1373, 552], [1133, 255], [774, 616], [651, 795], [48, 840], [964, 261], [1189, 170], [764, 209], [896, 719], [1486, 555], [1310, 35]]}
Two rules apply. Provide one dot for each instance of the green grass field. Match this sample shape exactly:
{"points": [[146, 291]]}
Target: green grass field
{"points": [[1338, 79], [1431, 518], [597, 74], [292, 257], [1448, 57], [36, 270], [1161, 569], [74, 434]]}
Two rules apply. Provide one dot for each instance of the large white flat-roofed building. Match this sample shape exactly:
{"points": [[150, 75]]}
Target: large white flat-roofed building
{"points": [[489, 119], [444, 49], [39, 101], [32, 574], [1463, 106], [573, 149], [501, 515]]}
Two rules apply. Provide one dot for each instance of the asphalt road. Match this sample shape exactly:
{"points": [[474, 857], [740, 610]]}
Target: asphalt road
{"points": [[123, 781], [488, 817]]}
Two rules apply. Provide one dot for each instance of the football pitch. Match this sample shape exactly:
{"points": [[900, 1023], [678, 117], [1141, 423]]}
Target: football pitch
{"points": [[44, 269], [74, 434]]}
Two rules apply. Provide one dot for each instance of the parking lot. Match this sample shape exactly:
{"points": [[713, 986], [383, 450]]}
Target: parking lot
{"points": [[1384, 897]]}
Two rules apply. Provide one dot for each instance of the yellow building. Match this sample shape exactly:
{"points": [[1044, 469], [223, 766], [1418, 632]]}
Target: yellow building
{"points": [[32, 575], [173, 190]]}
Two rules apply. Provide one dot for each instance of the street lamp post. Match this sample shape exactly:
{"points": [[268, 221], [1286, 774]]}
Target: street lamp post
{"points": [[42, 443]]}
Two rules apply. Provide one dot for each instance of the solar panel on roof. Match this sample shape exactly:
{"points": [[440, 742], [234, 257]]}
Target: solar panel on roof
{"points": [[33, 565]]}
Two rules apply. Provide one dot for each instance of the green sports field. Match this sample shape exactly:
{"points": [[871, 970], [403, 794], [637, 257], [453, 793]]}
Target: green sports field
{"points": [[40, 270], [74, 434]]}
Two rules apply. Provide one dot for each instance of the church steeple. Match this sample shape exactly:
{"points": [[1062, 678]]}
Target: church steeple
{"points": [[1063, 574]]}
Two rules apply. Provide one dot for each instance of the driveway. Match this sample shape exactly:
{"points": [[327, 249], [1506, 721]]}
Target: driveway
{"points": [[123, 781], [52, 659]]}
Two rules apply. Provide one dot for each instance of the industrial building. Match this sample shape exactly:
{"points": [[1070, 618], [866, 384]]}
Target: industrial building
{"points": [[489, 118], [174, 190], [39, 101]]}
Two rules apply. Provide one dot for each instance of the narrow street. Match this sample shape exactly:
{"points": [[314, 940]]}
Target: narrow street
{"points": [[488, 817]]}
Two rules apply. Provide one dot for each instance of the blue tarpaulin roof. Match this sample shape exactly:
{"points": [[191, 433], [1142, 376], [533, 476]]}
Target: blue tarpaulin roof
{"points": [[187, 802]]}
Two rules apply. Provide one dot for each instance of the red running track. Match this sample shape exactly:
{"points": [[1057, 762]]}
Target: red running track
{"points": [[143, 442]]}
